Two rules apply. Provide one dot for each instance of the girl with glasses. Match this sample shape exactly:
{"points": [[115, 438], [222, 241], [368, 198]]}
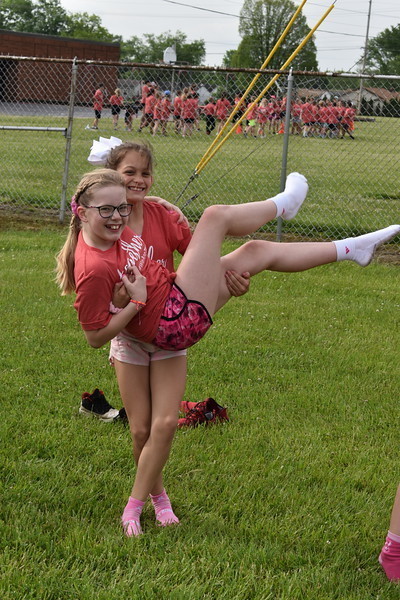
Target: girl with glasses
{"points": [[174, 311]]}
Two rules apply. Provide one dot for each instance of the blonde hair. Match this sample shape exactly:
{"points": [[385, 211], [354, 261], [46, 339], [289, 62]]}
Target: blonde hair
{"points": [[87, 187]]}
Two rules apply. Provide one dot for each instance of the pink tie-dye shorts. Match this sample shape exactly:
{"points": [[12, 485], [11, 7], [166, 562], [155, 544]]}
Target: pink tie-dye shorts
{"points": [[183, 322]]}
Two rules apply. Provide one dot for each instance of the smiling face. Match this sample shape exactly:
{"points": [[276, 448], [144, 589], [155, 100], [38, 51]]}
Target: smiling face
{"points": [[134, 168], [97, 231]]}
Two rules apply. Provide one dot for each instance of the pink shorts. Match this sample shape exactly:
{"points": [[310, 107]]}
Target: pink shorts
{"points": [[183, 322], [127, 349]]}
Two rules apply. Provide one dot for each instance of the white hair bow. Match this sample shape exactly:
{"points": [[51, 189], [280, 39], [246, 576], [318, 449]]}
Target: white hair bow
{"points": [[100, 150]]}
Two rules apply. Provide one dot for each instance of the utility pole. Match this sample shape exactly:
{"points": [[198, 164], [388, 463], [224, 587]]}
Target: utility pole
{"points": [[364, 61]]}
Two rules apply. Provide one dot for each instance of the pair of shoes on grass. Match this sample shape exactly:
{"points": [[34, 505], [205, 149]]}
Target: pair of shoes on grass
{"points": [[96, 405], [196, 413], [206, 412]]}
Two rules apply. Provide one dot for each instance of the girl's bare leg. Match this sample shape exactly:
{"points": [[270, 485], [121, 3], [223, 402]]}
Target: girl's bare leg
{"points": [[389, 557], [395, 517], [200, 270], [137, 402], [258, 255], [167, 383], [200, 275], [153, 418]]}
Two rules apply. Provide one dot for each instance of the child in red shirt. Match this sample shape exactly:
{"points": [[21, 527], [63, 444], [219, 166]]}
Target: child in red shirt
{"points": [[178, 111], [262, 117], [105, 252], [148, 111], [157, 112], [347, 121], [166, 111], [209, 112], [190, 107], [116, 103], [222, 109], [251, 118], [98, 100]]}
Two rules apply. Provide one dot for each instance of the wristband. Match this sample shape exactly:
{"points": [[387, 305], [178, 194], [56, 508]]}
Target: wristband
{"points": [[138, 302]]}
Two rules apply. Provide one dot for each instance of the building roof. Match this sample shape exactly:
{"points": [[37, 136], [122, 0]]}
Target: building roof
{"points": [[383, 93]]}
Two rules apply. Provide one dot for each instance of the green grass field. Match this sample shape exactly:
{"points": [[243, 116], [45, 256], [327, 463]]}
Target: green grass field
{"points": [[289, 501], [354, 184]]}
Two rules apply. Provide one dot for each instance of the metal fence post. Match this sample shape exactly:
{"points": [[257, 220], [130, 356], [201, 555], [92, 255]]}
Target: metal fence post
{"points": [[285, 146], [68, 136]]}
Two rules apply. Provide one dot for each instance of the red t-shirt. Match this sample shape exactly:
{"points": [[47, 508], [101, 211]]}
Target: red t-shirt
{"points": [[296, 110], [252, 114], [97, 271], [323, 114], [349, 115], [157, 110], [209, 109], [162, 234], [145, 91], [262, 114], [177, 106], [98, 100], [222, 108], [331, 115], [165, 109], [149, 104], [116, 100], [190, 108], [307, 113]]}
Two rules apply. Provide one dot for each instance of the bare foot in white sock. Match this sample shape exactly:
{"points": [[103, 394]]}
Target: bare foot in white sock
{"points": [[290, 200]]}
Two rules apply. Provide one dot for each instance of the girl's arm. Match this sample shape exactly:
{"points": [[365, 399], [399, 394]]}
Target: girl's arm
{"points": [[169, 206], [137, 292]]}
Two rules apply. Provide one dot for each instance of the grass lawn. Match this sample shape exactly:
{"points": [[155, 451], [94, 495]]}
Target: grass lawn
{"points": [[354, 184], [289, 501]]}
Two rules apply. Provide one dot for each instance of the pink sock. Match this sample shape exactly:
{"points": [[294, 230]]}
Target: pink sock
{"points": [[131, 517], [389, 557], [164, 513]]}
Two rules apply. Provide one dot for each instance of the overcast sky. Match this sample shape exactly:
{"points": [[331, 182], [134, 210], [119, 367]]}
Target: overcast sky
{"points": [[340, 39]]}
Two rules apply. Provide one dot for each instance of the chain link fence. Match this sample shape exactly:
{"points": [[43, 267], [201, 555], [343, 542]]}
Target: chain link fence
{"points": [[46, 114]]}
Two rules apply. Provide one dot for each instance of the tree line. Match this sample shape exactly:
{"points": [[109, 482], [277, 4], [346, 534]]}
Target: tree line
{"points": [[260, 26]]}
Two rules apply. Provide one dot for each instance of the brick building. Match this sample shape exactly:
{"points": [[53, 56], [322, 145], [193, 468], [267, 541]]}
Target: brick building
{"points": [[50, 81]]}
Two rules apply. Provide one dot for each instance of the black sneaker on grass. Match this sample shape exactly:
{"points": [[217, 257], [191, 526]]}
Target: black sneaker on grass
{"points": [[96, 405], [121, 416]]}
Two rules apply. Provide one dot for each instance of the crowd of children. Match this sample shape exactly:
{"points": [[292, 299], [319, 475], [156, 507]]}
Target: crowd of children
{"points": [[323, 118], [183, 113]]}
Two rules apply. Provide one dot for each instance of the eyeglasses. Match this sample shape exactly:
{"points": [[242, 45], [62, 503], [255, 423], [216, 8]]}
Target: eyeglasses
{"points": [[107, 211]]}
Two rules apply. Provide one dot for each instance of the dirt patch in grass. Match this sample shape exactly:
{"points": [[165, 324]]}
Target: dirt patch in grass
{"points": [[26, 220]]}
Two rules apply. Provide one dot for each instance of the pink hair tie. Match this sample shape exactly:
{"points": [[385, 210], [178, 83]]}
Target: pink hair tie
{"points": [[74, 206]]}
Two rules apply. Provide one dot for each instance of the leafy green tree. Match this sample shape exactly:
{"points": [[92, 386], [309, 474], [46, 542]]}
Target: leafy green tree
{"points": [[49, 17], [41, 16], [133, 50], [261, 24], [16, 15], [151, 48], [383, 55], [87, 27]]}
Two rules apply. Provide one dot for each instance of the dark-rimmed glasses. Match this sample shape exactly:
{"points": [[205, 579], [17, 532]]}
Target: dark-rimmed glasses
{"points": [[107, 211]]}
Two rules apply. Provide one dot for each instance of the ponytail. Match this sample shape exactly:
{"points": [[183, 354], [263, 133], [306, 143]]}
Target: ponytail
{"points": [[66, 258]]}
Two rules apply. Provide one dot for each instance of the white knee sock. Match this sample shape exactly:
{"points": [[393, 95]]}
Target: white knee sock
{"points": [[290, 200], [361, 249]]}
